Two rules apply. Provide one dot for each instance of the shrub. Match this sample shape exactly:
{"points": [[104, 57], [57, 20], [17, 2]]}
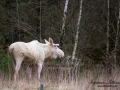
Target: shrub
{"points": [[5, 62]]}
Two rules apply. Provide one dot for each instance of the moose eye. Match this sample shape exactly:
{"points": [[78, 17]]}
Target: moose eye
{"points": [[55, 47]]}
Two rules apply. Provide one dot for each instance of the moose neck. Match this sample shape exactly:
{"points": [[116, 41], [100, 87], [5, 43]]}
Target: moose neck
{"points": [[47, 50]]}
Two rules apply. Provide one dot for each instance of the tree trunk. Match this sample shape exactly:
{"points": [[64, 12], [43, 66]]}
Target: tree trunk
{"points": [[77, 32], [117, 36], [8, 9], [39, 20], [18, 19], [108, 32], [40, 23], [63, 24]]}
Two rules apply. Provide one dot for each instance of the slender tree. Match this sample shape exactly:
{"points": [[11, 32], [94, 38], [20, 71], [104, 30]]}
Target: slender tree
{"points": [[63, 24], [117, 36], [18, 18], [77, 32], [108, 31], [40, 20]]}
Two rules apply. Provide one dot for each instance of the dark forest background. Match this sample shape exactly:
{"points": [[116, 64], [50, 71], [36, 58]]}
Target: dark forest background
{"points": [[26, 20]]}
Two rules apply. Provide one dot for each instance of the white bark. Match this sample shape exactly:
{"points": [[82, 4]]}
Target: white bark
{"points": [[63, 24], [77, 32], [64, 14]]}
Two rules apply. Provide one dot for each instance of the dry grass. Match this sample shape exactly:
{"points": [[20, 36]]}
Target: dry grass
{"points": [[52, 82]]}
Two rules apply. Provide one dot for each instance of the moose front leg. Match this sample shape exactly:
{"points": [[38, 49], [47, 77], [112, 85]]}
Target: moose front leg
{"points": [[39, 70]]}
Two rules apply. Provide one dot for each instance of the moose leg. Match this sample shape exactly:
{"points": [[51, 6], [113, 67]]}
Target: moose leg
{"points": [[29, 72], [17, 67], [13, 61], [39, 70]]}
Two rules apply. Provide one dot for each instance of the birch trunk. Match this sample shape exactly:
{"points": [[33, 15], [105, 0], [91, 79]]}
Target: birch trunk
{"points": [[63, 24], [108, 32], [77, 32], [117, 36]]}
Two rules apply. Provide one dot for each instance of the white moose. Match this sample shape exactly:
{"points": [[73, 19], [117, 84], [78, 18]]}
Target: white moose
{"points": [[33, 52]]}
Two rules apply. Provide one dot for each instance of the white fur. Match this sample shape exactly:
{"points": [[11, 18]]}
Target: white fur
{"points": [[33, 53]]}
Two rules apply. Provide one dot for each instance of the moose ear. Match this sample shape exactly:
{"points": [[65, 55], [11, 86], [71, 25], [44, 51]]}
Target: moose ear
{"points": [[50, 40], [46, 41]]}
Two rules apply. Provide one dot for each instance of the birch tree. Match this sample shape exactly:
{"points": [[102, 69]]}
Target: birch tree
{"points": [[63, 24], [117, 35], [77, 32]]}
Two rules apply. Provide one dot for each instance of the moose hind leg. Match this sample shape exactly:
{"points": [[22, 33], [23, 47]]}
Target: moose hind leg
{"points": [[17, 67], [29, 72]]}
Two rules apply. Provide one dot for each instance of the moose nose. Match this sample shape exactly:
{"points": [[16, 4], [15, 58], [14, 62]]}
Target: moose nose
{"points": [[60, 53]]}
